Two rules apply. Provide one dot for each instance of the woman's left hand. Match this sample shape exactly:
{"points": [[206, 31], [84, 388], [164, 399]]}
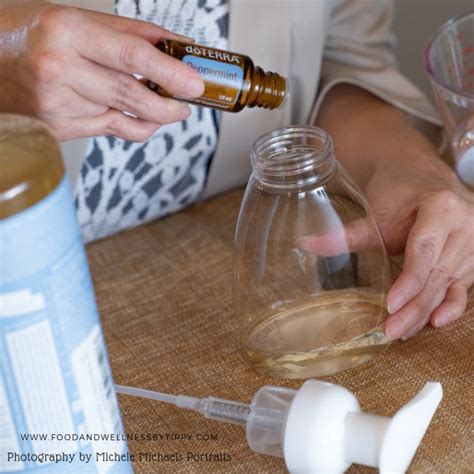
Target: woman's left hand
{"points": [[424, 211]]}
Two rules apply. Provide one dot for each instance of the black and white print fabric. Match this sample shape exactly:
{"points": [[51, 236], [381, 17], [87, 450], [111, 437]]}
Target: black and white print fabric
{"points": [[124, 184]]}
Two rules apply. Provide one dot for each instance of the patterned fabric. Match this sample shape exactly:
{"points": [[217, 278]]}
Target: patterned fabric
{"points": [[124, 184]]}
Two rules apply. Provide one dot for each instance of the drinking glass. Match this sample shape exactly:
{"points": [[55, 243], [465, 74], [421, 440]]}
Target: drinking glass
{"points": [[449, 60]]}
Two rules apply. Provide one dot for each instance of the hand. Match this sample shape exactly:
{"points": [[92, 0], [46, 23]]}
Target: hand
{"points": [[424, 211], [420, 205], [73, 69]]}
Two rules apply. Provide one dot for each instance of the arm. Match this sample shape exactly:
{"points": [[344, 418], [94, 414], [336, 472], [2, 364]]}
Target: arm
{"points": [[74, 69], [421, 207], [371, 127], [419, 204]]}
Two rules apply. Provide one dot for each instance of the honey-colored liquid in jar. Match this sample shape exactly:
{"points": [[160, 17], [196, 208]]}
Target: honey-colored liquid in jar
{"points": [[30, 164], [328, 334]]}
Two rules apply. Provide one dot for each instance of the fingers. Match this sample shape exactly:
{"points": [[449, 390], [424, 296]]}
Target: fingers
{"points": [[415, 329], [355, 236], [146, 30], [424, 245], [453, 305], [125, 93], [117, 124], [133, 55], [329, 244], [414, 315]]}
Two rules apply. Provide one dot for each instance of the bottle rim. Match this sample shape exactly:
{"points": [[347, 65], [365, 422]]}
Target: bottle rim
{"points": [[292, 157]]}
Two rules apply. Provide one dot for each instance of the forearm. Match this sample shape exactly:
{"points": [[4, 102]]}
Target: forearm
{"points": [[368, 132]]}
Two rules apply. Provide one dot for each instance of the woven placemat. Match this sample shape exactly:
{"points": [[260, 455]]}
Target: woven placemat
{"points": [[164, 294]]}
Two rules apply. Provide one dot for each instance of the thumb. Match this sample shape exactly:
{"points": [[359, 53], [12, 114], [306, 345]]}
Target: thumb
{"points": [[357, 235]]}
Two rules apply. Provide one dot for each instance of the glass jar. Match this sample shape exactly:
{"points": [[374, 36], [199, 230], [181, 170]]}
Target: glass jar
{"points": [[311, 272], [56, 375]]}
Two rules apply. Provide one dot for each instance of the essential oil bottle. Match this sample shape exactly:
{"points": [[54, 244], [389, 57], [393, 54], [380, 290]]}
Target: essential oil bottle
{"points": [[232, 81]]}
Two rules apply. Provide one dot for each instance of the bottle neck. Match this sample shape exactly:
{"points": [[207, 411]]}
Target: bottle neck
{"points": [[293, 158], [267, 90]]}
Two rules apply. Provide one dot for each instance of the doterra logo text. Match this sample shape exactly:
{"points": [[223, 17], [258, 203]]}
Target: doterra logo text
{"points": [[209, 53]]}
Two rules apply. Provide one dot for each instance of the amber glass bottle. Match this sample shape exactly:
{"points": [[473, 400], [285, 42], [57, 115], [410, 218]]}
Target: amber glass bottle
{"points": [[232, 81]]}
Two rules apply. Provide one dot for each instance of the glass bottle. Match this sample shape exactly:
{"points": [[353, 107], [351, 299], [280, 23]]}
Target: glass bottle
{"points": [[311, 271], [231, 80]]}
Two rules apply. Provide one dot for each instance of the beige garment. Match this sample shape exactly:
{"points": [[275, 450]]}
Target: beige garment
{"points": [[317, 44]]}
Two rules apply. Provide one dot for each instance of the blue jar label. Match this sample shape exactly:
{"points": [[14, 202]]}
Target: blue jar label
{"points": [[58, 408], [228, 77]]}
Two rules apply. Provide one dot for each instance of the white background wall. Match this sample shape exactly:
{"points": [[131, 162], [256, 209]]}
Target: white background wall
{"points": [[415, 23]]}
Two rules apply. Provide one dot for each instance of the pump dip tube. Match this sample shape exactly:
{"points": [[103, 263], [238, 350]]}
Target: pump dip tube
{"points": [[319, 428], [232, 81]]}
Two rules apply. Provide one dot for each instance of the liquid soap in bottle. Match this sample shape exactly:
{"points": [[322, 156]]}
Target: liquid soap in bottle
{"points": [[308, 291]]}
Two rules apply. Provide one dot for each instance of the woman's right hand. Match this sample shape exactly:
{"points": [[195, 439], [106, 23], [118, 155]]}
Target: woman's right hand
{"points": [[73, 69]]}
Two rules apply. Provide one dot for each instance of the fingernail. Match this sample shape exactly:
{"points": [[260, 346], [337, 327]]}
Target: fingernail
{"points": [[186, 39], [304, 243], [186, 112], [441, 320], [195, 87], [395, 303]]}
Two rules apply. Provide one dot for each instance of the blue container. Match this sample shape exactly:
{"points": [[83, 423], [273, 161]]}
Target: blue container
{"points": [[58, 408]]}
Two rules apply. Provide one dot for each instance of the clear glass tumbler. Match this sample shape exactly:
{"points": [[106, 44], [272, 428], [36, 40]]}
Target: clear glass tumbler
{"points": [[311, 271], [449, 60]]}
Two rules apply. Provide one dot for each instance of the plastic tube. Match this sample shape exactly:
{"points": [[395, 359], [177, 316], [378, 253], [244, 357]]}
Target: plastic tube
{"points": [[214, 408]]}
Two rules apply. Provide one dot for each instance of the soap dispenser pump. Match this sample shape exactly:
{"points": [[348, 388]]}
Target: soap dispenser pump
{"points": [[324, 430], [320, 428]]}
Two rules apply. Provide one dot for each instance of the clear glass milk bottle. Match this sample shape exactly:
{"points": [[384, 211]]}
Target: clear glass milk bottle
{"points": [[311, 271]]}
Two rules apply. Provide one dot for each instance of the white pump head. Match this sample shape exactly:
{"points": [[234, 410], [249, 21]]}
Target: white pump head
{"points": [[320, 428], [391, 443], [326, 431]]}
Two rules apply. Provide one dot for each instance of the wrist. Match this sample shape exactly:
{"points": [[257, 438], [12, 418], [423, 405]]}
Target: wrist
{"points": [[369, 134], [426, 171]]}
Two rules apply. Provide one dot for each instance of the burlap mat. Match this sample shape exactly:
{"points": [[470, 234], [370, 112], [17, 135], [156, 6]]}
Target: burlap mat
{"points": [[164, 293]]}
